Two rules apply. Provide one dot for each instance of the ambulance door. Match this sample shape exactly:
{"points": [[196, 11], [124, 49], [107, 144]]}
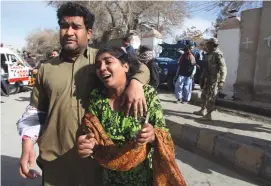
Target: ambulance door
{"points": [[4, 63], [17, 72]]}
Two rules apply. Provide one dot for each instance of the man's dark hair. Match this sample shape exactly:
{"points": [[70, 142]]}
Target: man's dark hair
{"points": [[127, 39], [75, 9]]}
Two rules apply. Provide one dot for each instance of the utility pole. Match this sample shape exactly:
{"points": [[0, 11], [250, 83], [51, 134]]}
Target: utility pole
{"points": [[158, 20]]}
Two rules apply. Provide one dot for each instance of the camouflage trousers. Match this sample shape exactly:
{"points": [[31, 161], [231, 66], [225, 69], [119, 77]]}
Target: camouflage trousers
{"points": [[208, 96]]}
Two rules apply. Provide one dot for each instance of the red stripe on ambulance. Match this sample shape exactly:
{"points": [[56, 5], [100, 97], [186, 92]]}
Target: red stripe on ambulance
{"points": [[13, 80]]}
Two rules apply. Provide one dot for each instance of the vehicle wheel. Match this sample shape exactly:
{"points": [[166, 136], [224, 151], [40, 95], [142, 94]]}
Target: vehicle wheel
{"points": [[14, 89], [170, 84]]}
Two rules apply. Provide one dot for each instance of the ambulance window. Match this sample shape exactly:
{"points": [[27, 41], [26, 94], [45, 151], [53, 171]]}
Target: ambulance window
{"points": [[4, 66], [13, 58]]}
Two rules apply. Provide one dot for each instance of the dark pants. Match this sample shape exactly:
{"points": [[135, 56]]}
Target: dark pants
{"points": [[70, 170], [4, 88]]}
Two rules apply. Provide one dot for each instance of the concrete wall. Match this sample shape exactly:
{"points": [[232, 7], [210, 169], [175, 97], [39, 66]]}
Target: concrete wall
{"points": [[247, 53], [229, 45], [262, 79], [147, 41], [136, 41], [153, 42], [156, 48], [250, 25], [254, 70], [118, 42]]}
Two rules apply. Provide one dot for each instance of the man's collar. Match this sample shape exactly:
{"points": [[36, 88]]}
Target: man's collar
{"points": [[85, 53]]}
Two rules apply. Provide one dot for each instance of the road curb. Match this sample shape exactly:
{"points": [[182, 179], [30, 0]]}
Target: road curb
{"points": [[225, 148], [235, 105]]}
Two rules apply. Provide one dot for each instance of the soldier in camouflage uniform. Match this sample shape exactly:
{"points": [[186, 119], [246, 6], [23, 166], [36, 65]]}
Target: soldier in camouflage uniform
{"points": [[214, 76]]}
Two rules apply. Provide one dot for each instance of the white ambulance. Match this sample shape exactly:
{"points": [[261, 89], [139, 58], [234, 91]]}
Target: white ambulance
{"points": [[15, 69]]}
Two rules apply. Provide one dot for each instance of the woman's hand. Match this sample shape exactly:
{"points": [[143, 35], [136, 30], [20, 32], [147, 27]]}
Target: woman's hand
{"points": [[27, 161], [86, 144], [134, 97], [146, 135]]}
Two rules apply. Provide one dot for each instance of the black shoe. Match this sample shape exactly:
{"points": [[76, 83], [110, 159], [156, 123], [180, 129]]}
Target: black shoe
{"points": [[178, 101]]}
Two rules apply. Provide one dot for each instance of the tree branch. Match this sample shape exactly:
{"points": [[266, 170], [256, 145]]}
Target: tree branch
{"points": [[125, 16], [111, 15], [143, 10]]}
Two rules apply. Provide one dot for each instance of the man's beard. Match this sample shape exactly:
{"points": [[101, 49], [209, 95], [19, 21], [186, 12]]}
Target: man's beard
{"points": [[71, 49]]}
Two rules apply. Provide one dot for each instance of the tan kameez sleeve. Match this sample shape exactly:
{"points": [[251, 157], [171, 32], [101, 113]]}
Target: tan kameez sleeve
{"points": [[39, 98], [144, 74]]}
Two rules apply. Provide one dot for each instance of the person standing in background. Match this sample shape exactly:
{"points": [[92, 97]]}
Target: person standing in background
{"points": [[199, 56], [55, 53], [146, 56], [214, 76], [185, 74], [128, 47]]}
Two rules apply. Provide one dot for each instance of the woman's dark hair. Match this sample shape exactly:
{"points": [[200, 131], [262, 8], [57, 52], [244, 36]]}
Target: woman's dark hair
{"points": [[75, 9], [123, 57]]}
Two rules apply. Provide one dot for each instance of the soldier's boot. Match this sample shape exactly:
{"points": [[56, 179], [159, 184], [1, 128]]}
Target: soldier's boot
{"points": [[201, 112], [207, 117]]}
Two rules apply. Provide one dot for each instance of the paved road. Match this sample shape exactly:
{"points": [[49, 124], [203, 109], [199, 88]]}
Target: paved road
{"points": [[196, 170], [230, 123]]}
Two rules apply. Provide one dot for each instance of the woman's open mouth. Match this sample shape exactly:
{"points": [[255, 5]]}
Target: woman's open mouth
{"points": [[106, 77]]}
